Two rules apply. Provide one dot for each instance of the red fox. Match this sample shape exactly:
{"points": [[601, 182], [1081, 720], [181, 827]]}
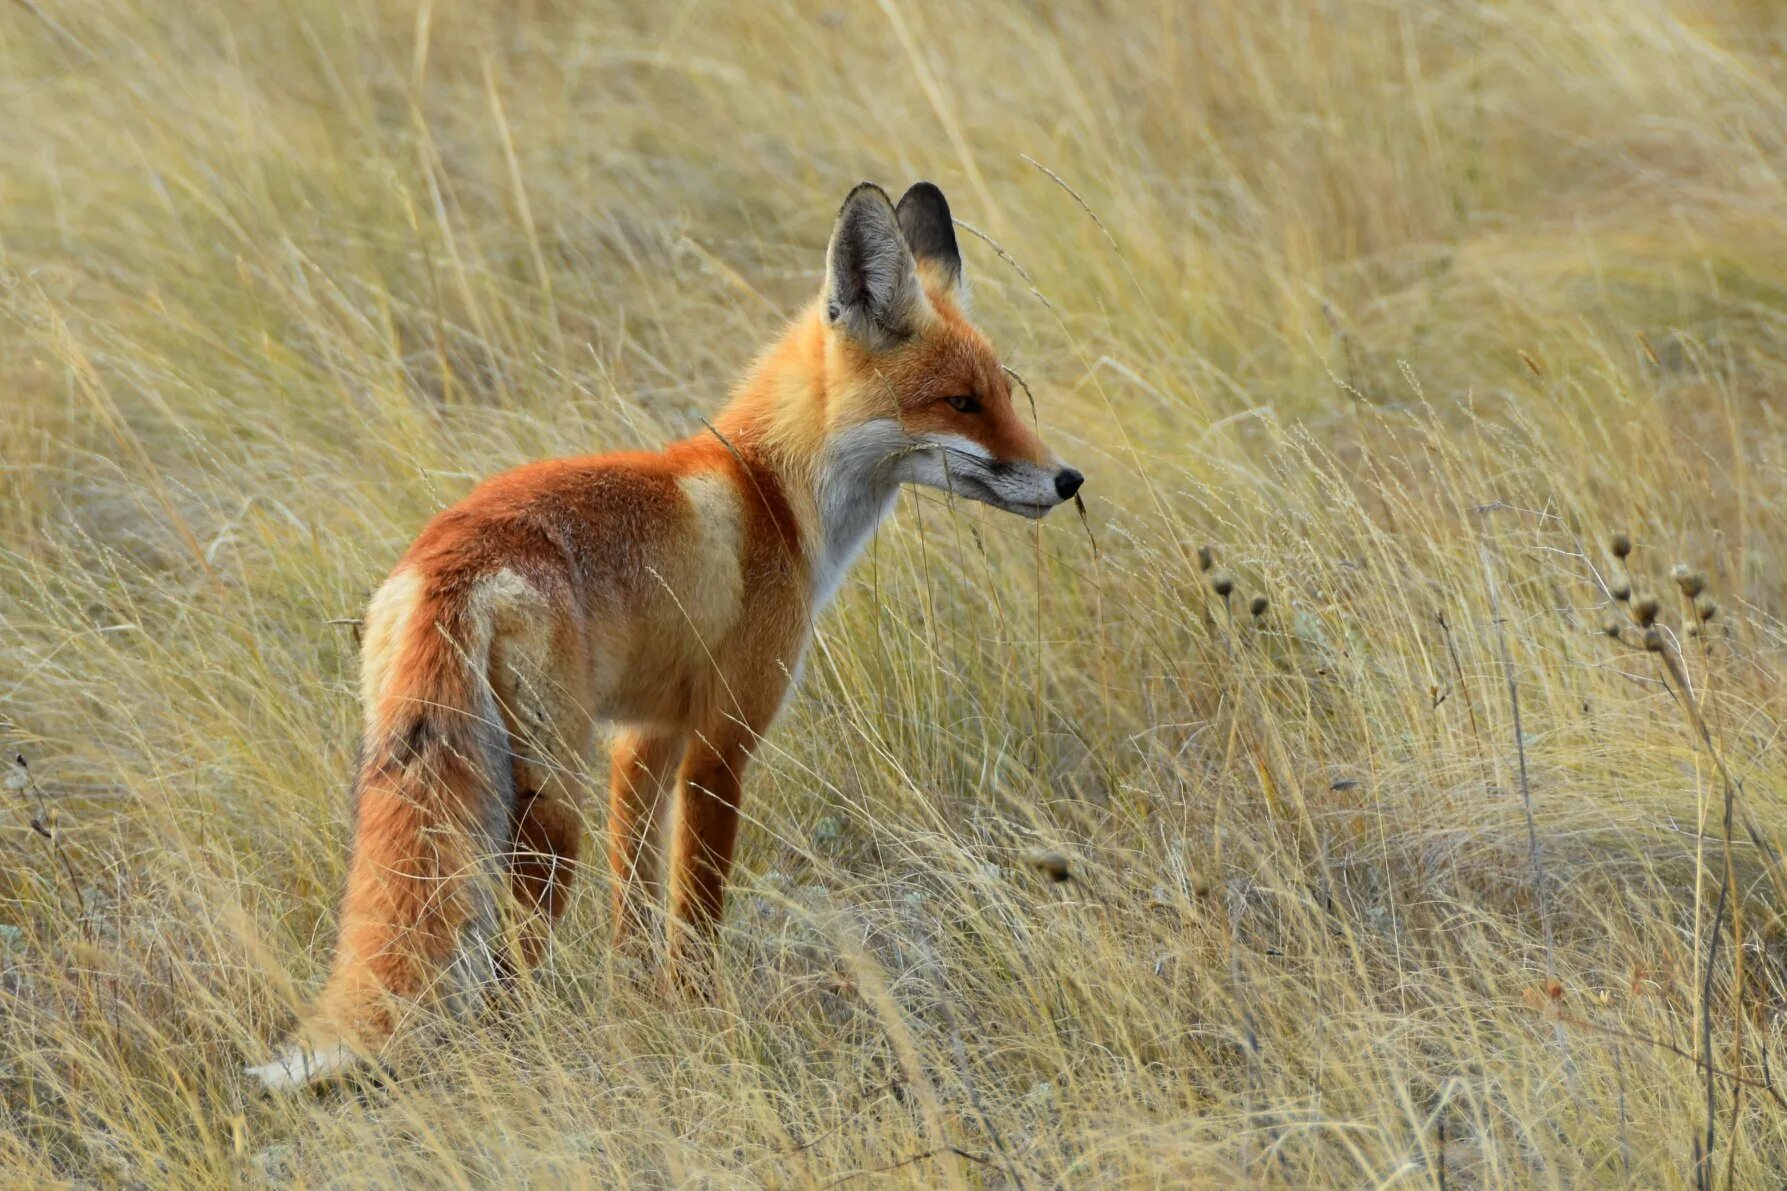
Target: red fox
{"points": [[668, 594]]}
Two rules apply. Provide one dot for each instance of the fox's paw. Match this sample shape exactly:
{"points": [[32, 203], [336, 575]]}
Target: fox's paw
{"points": [[298, 1065]]}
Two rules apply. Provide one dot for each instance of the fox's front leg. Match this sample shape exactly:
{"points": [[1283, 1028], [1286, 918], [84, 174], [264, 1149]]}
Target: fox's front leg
{"points": [[642, 766], [701, 855]]}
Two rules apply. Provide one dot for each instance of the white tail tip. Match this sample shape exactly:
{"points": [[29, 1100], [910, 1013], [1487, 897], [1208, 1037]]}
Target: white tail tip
{"points": [[297, 1065]]}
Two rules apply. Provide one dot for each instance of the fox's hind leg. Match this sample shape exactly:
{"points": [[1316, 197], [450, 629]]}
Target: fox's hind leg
{"points": [[546, 838], [544, 708]]}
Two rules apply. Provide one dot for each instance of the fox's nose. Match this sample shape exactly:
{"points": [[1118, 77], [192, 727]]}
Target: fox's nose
{"points": [[1067, 482]]}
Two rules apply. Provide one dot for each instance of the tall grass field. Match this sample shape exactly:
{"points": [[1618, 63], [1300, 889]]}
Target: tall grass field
{"points": [[1382, 783]]}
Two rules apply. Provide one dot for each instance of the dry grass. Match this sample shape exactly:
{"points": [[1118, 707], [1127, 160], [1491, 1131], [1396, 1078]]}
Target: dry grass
{"points": [[1402, 307]]}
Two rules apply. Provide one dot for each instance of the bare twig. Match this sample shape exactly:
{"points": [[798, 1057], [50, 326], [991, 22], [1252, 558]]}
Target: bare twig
{"points": [[1764, 1085], [1526, 793], [863, 1100], [1672, 661], [958, 1151], [43, 822]]}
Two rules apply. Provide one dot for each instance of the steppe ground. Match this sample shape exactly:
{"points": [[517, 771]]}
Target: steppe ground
{"points": [[1403, 309]]}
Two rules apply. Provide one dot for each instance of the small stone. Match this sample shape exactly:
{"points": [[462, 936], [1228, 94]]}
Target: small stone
{"points": [[274, 1161], [828, 831], [1053, 865]]}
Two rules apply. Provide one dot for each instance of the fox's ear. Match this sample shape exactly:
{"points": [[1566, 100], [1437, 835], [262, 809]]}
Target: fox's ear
{"points": [[871, 285], [931, 234]]}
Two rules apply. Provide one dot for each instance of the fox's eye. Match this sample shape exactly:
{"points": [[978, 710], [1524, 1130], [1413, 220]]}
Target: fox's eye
{"points": [[963, 404]]}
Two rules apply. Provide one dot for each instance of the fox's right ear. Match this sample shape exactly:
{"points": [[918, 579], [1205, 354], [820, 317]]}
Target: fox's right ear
{"points": [[931, 234], [872, 291]]}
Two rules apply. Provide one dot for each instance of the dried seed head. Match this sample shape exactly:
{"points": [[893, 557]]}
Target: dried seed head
{"points": [[1258, 606], [1645, 609], [1222, 583], [1620, 543], [1053, 865], [1705, 607], [1206, 557], [1653, 639], [1621, 591], [1613, 628], [1691, 582]]}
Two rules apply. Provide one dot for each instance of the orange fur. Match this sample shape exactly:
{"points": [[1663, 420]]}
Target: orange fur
{"points": [[670, 593]]}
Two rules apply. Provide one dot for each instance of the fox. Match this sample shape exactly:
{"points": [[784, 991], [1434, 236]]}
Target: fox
{"points": [[666, 598]]}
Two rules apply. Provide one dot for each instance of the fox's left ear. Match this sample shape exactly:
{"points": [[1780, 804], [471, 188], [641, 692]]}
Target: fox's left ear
{"points": [[931, 235]]}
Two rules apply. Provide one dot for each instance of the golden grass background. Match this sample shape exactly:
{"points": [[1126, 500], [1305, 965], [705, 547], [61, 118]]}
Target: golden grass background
{"points": [[1403, 308]]}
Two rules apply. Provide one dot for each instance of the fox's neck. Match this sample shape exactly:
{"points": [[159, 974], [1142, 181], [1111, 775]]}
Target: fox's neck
{"points": [[839, 482]]}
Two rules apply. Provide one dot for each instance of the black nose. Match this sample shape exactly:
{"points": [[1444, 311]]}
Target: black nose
{"points": [[1067, 482]]}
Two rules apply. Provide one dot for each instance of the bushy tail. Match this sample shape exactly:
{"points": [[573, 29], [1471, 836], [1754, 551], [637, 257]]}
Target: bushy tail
{"points": [[419, 914]]}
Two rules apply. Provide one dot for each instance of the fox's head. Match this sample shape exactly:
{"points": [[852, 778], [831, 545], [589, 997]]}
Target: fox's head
{"points": [[915, 392]]}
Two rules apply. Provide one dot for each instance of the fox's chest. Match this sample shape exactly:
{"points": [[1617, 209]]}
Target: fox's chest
{"points": [[848, 526]]}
